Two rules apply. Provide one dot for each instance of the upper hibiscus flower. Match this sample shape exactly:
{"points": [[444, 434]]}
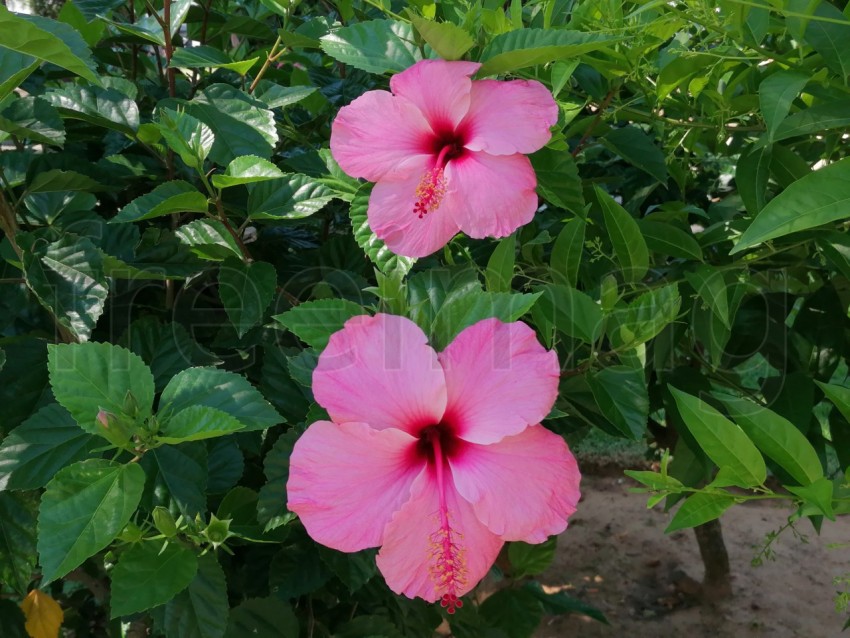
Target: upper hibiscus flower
{"points": [[436, 458], [447, 153]]}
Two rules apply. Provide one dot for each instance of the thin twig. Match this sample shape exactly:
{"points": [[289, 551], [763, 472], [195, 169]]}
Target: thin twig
{"points": [[589, 130]]}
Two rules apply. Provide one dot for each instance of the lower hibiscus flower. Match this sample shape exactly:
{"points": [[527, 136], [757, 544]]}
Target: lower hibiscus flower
{"points": [[437, 459]]}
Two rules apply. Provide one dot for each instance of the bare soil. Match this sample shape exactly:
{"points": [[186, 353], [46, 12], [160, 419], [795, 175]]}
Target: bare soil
{"points": [[616, 557]]}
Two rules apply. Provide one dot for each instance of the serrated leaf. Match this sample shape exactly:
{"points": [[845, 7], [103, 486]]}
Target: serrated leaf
{"points": [[516, 612], [463, 311], [82, 510], [35, 119], [17, 540], [225, 391], [271, 503], [291, 197], [44, 615], [242, 124], [353, 569], [187, 136], [67, 278], [104, 107], [171, 197], [195, 423], [48, 41], [315, 321], [201, 610], [818, 198], [178, 478], [148, 575], [14, 69], [279, 97], [638, 149], [206, 57], [246, 290], [448, 40], [57, 180], [629, 245], [778, 438], [41, 446], [530, 560], [375, 249], [247, 170], [700, 508], [722, 441], [374, 46], [526, 47], [90, 377], [209, 239]]}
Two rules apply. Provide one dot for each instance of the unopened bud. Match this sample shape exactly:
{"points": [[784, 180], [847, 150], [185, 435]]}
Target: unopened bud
{"points": [[164, 522]]}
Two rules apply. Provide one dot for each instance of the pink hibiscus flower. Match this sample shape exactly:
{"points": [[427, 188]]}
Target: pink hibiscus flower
{"points": [[447, 153], [437, 459]]}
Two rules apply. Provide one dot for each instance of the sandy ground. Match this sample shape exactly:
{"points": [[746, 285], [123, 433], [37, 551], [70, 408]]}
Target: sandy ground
{"points": [[616, 557]]}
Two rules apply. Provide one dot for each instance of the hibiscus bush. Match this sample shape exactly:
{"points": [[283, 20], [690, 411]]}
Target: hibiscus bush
{"points": [[303, 303]]}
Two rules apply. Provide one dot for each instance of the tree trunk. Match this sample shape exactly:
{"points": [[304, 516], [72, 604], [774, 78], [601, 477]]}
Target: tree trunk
{"points": [[717, 582]]}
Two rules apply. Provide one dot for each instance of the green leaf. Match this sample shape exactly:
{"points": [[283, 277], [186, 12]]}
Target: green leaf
{"points": [[225, 391], [279, 97], [516, 612], [711, 287], [462, 311], [242, 124], [565, 260], [291, 197], [530, 560], [205, 57], [819, 495], [82, 510], [638, 149], [835, 247], [645, 317], [48, 41], [90, 377], [700, 508], [818, 198], [315, 321], [526, 47], [177, 478], [247, 170], [448, 40], [67, 278], [375, 46], [815, 119], [752, 174], [778, 438], [41, 446], [666, 239], [57, 180], [12, 620], [629, 245], [17, 541], [209, 239], [828, 38], [35, 119], [375, 249], [621, 395], [201, 610], [262, 618], [187, 136], [561, 603], [108, 108], [558, 180], [723, 441], [839, 395], [195, 423], [776, 94], [246, 290], [14, 69], [171, 197], [271, 505], [148, 575], [571, 312], [500, 267], [354, 570]]}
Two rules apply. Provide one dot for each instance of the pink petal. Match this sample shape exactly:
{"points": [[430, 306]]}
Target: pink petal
{"points": [[380, 370], [500, 380], [509, 117], [379, 136], [490, 195], [439, 88], [392, 217], [523, 488], [408, 558], [346, 481]]}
